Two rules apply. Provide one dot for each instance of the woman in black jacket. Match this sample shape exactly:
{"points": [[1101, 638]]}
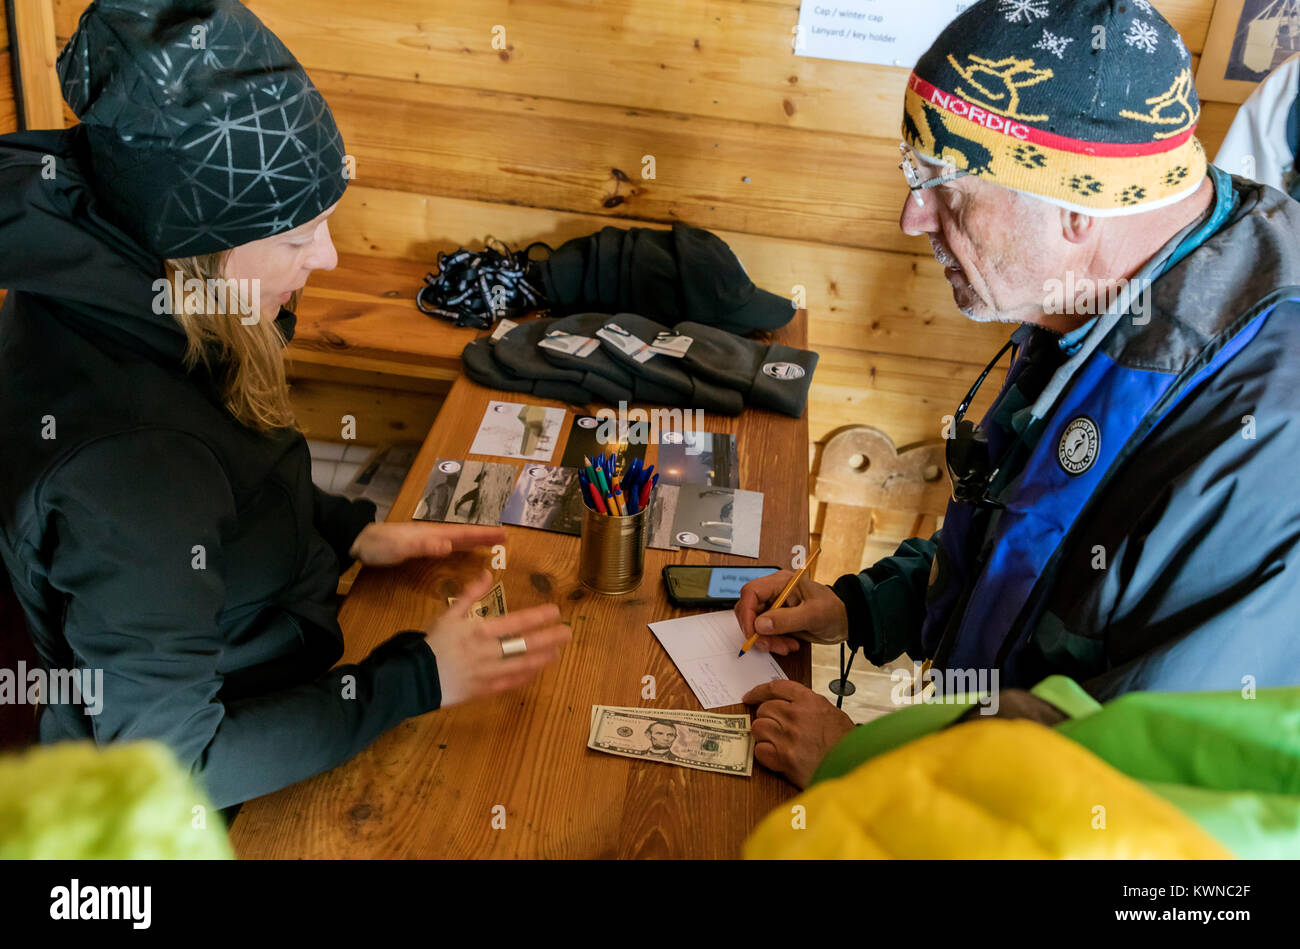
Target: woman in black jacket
{"points": [[157, 515]]}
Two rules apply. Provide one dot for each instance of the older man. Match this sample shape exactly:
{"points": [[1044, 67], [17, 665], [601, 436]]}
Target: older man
{"points": [[1124, 513]]}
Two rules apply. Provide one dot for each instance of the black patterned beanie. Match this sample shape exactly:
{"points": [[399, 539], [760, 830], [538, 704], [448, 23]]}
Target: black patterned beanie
{"points": [[1087, 104], [203, 131]]}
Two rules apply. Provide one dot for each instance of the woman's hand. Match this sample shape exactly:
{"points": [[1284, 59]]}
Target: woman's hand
{"points": [[471, 658], [383, 544], [812, 611]]}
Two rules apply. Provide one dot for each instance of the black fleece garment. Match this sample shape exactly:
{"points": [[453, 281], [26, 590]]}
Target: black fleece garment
{"points": [[149, 534], [768, 375], [482, 364], [604, 377], [668, 371]]}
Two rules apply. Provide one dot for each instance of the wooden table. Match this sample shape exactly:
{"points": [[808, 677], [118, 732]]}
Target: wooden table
{"points": [[431, 787]]}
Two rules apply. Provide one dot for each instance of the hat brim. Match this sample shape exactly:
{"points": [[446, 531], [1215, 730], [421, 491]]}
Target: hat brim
{"points": [[763, 311]]}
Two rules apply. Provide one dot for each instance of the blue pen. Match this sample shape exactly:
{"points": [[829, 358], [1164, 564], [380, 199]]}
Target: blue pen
{"points": [[627, 484]]}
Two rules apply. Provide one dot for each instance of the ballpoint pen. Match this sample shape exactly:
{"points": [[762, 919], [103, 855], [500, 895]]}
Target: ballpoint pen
{"points": [[647, 488], [601, 481], [597, 504], [593, 481]]}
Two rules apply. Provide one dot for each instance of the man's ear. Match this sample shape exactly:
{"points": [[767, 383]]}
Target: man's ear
{"points": [[1076, 227]]}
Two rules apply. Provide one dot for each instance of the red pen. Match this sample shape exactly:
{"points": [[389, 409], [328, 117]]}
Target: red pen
{"points": [[595, 498]]}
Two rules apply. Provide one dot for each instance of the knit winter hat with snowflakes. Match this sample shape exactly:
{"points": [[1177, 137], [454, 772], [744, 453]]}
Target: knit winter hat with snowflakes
{"points": [[204, 132], [1088, 104]]}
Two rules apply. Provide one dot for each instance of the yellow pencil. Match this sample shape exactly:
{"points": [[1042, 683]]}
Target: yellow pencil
{"points": [[776, 604]]}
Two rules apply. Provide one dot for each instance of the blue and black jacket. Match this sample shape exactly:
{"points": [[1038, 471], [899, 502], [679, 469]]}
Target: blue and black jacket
{"points": [[1149, 534]]}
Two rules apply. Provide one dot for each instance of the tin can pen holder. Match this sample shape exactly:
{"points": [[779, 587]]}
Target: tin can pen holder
{"points": [[611, 557]]}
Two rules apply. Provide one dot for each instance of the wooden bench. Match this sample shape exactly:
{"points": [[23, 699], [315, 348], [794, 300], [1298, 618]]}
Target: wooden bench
{"points": [[362, 349], [362, 316]]}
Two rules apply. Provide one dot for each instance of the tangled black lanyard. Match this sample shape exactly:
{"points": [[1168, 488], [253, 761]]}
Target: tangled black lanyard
{"points": [[476, 289]]}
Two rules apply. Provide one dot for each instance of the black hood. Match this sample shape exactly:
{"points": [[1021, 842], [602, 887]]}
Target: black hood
{"points": [[56, 242], [88, 215]]}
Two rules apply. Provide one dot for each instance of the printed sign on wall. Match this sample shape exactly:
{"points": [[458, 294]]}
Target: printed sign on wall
{"points": [[885, 32]]}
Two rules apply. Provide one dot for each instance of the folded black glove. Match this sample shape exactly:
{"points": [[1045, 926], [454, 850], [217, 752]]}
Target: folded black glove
{"points": [[482, 366], [604, 376], [627, 349], [601, 376], [516, 350], [767, 375]]}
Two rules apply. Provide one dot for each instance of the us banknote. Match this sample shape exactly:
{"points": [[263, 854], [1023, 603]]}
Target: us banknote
{"points": [[686, 738], [493, 602]]}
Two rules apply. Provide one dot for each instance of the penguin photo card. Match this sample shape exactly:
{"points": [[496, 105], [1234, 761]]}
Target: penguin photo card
{"points": [[726, 520]]}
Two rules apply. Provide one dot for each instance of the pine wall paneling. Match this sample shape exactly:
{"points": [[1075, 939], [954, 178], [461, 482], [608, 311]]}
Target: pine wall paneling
{"points": [[8, 108]]}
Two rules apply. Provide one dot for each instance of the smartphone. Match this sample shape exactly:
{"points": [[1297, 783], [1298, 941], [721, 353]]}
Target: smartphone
{"points": [[719, 587]]}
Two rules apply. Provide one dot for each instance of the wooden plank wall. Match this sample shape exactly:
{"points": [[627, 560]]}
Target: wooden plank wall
{"points": [[544, 136], [8, 107]]}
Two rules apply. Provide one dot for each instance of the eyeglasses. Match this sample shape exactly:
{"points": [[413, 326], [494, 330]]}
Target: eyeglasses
{"points": [[970, 469], [917, 180]]}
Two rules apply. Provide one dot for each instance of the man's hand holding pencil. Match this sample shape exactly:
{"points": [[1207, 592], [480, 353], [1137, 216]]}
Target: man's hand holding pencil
{"points": [[793, 726], [811, 611]]}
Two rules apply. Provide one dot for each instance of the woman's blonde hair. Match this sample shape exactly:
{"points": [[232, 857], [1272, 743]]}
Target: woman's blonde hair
{"points": [[246, 359]]}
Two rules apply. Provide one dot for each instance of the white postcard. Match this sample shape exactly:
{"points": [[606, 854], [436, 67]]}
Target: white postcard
{"points": [[513, 430], [705, 648]]}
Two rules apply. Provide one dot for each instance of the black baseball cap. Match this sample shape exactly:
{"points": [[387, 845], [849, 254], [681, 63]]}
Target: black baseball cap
{"points": [[686, 273]]}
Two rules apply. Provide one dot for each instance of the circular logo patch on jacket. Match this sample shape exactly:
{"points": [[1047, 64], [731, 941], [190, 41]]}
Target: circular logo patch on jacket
{"points": [[1078, 447], [783, 370]]}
